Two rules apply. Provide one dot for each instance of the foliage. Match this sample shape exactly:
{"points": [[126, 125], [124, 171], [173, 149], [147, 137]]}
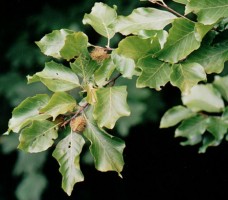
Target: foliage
{"points": [[156, 47]]}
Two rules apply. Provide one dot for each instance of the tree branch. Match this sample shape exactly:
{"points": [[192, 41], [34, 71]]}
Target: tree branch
{"points": [[168, 8]]}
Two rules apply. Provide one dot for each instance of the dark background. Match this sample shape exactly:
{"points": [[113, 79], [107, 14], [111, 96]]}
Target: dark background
{"points": [[156, 166]]}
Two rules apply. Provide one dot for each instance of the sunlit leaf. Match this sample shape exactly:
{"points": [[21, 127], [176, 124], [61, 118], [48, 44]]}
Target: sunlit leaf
{"points": [[37, 137], [64, 43], [67, 153], [155, 73], [52, 43], [135, 47], [106, 149], [182, 40], [56, 77], [204, 98], [111, 105], [208, 11], [175, 115], [60, 103], [185, 76], [143, 19], [221, 83], [161, 35], [192, 129], [27, 111], [101, 18], [126, 66], [212, 58]]}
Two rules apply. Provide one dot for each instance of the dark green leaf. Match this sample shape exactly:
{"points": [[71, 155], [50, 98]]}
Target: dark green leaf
{"points": [[106, 149], [182, 40], [192, 129], [155, 73], [212, 58]]}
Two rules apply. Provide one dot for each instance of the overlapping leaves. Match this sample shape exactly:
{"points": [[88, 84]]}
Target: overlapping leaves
{"points": [[157, 47]]}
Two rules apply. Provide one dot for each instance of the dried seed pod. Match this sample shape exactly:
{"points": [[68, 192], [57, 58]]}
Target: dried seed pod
{"points": [[78, 124], [99, 54]]}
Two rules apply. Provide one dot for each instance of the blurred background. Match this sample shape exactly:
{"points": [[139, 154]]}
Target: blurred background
{"points": [[156, 166]]}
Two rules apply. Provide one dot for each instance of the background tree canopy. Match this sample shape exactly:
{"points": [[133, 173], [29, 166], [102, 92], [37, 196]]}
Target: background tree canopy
{"points": [[156, 166]]}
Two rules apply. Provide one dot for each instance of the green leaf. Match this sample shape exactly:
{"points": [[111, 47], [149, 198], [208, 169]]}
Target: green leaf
{"points": [[75, 45], [60, 103], [111, 105], [186, 75], [161, 35], [204, 98], [39, 136], [155, 73], [192, 129], [106, 149], [182, 40], [225, 115], [208, 11], [143, 19], [56, 77], [27, 111], [175, 115], [135, 47], [218, 128], [67, 153], [221, 84], [126, 66], [104, 72], [84, 67], [212, 58], [64, 43], [101, 19], [52, 43], [208, 141]]}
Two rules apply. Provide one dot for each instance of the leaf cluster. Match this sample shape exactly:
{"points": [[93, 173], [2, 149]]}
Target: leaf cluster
{"points": [[157, 47]]}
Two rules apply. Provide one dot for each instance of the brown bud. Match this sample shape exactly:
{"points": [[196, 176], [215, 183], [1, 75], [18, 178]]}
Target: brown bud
{"points": [[78, 124]]}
